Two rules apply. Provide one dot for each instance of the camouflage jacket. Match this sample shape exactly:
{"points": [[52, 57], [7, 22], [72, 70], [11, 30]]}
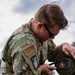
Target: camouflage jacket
{"points": [[24, 52]]}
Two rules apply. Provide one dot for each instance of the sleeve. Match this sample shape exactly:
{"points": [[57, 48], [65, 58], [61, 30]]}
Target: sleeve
{"points": [[20, 65], [52, 51]]}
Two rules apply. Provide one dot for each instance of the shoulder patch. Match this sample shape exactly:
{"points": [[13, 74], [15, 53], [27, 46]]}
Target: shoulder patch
{"points": [[26, 44], [29, 51]]}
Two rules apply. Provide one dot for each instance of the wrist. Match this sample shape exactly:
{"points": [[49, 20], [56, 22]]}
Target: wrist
{"points": [[40, 69]]}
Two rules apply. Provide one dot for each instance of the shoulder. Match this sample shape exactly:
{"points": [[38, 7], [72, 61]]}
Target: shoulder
{"points": [[22, 35], [22, 42]]}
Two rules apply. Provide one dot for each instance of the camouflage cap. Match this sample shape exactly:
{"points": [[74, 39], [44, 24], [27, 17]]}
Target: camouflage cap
{"points": [[66, 66]]}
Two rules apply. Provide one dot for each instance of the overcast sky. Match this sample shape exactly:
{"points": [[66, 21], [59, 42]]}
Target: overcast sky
{"points": [[14, 13]]}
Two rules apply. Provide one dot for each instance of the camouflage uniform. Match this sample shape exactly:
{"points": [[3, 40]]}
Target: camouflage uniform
{"points": [[24, 52]]}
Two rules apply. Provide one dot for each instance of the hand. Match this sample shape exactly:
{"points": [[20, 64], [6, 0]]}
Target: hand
{"points": [[68, 49], [46, 69]]}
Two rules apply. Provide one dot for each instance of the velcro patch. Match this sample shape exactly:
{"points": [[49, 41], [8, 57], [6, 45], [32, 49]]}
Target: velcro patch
{"points": [[29, 51], [26, 44]]}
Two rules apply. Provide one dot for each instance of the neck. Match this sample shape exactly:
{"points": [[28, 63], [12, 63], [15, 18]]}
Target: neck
{"points": [[35, 30]]}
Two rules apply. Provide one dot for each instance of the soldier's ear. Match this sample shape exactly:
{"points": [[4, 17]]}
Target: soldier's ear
{"points": [[40, 25]]}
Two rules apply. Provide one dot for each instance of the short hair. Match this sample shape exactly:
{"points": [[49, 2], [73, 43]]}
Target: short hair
{"points": [[51, 14]]}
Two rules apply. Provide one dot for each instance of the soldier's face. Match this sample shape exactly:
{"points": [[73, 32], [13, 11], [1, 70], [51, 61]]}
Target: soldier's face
{"points": [[46, 33], [52, 32]]}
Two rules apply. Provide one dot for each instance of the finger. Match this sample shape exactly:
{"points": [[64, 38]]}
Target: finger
{"points": [[66, 52], [48, 69], [72, 51], [52, 67], [73, 54], [52, 73], [69, 50]]}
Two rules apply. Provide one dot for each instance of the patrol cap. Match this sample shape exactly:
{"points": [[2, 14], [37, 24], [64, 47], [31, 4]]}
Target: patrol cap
{"points": [[66, 64]]}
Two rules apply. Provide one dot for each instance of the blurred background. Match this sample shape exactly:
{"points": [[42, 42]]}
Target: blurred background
{"points": [[14, 13]]}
